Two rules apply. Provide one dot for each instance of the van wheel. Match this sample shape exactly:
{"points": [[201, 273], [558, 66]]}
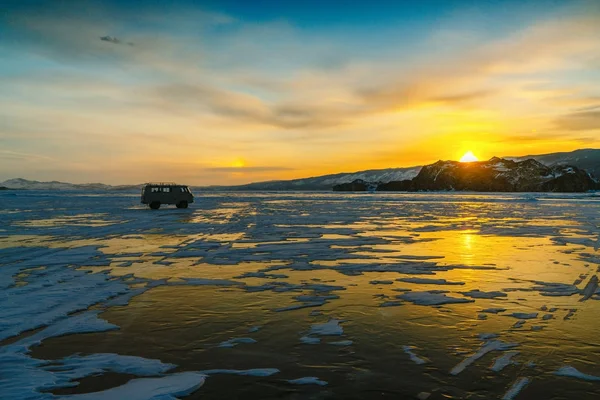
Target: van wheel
{"points": [[182, 204], [155, 205]]}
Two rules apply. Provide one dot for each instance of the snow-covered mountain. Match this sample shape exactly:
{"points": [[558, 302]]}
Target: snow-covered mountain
{"points": [[587, 159], [20, 183], [326, 182]]}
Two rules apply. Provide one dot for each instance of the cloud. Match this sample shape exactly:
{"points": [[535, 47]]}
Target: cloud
{"points": [[580, 121], [249, 169], [112, 39]]}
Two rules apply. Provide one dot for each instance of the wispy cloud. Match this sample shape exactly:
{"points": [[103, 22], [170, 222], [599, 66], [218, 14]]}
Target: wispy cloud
{"points": [[580, 121]]}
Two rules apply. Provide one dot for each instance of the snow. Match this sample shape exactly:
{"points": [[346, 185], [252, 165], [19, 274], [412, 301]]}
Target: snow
{"points": [[426, 281], [493, 310], [416, 359], [235, 341], [308, 380], [243, 372], [516, 388], [432, 298], [164, 388], [572, 372], [341, 343], [329, 328], [477, 294], [493, 345], [310, 340], [503, 361], [521, 315]]}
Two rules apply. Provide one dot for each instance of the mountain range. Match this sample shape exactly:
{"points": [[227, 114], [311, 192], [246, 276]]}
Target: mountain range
{"points": [[586, 159]]}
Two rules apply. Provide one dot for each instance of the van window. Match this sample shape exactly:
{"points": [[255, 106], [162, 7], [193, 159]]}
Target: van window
{"points": [[182, 190], [154, 190], [166, 189]]}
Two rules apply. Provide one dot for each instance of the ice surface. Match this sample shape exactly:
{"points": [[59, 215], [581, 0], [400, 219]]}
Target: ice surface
{"points": [[426, 281], [244, 372], [416, 359], [282, 244], [341, 343], [487, 336], [572, 372], [516, 388], [206, 282], [493, 310], [310, 340], [431, 298], [493, 345], [555, 289], [503, 361], [308, 380], [164, 388], [590, 288], [391, 303], [235, 341], [521, 315], [329, 328], [477, 294]]}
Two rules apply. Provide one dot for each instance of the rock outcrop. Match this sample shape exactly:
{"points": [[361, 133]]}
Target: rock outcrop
{"points": [[494, 175]]}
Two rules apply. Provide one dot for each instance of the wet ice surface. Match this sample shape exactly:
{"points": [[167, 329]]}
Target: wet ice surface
{"points": [[329, 295]]}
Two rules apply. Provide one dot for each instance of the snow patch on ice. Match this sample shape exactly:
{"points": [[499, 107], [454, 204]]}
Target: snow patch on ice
{"points": [[516, 388], [244, 372], [308, 380], [572, 372], [329, 328], [494, 345], [416, 359], [235, 341], [164, 388], [503, 361], [431, 298], [427, 281]]}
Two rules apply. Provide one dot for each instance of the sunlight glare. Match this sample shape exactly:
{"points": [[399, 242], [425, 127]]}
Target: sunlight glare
{"points": [[468, 157]]}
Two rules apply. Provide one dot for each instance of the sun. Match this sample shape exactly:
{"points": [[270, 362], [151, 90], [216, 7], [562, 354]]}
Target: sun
{"points": [[238, 163], [468, 157]]}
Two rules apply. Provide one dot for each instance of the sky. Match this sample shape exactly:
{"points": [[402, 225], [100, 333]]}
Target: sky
{"points": [[236, 91]]}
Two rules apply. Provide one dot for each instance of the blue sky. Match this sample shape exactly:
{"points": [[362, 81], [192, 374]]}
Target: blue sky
{"points": [[236, 91]]}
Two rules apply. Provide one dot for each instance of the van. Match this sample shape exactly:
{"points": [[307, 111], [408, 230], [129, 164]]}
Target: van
{"points": [[156, 194]]}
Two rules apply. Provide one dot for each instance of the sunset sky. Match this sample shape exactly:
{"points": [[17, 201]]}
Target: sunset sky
{"points": [[227, 92]]}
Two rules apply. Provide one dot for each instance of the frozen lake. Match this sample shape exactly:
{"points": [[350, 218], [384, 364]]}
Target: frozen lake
{"points": [[300, 296]]}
